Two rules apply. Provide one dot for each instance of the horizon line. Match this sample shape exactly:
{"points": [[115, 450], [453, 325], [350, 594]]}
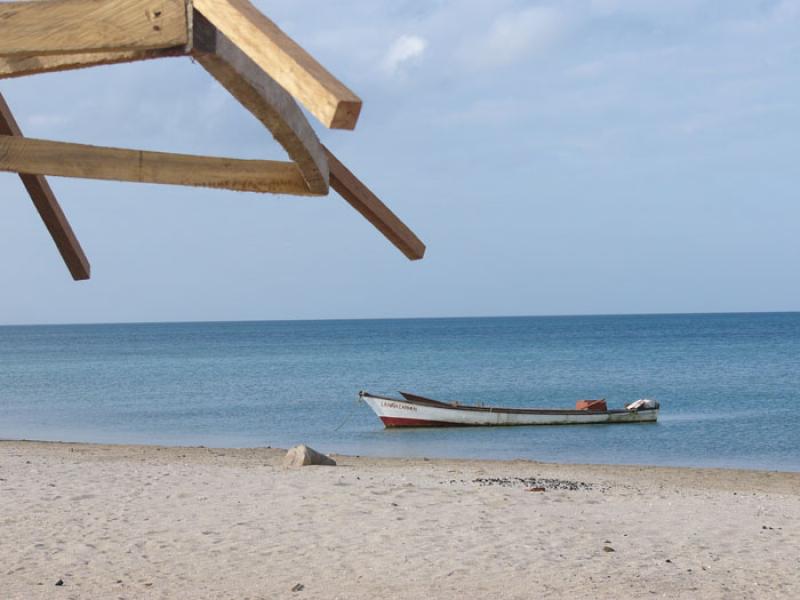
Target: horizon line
{"points": [[452, 317]]}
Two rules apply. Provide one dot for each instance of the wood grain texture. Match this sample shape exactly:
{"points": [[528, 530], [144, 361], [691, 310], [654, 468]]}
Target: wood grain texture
{"points": [[41, 157], [33, 65], [264, 98], [360, 197], [49, 210], [284, 60], [78, 26]]}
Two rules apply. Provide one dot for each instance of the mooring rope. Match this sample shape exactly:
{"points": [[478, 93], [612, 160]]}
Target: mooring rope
{"points": [[347, 418]]}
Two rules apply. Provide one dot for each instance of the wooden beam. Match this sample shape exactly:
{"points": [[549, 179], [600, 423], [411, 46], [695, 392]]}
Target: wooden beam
{"points": [[49, 210], [33, 65], [264, 98], [283, 59], [376, 212], [61, 159], [81, 26]]}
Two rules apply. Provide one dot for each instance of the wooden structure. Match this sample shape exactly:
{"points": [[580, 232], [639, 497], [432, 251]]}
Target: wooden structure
{"points": [[264, 69]]}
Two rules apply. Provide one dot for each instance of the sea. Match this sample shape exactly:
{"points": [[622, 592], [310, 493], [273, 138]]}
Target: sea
{"points": [[728, 385]]}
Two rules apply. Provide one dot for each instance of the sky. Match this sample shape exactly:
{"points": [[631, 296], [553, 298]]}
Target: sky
{"points": [[572, 157]]}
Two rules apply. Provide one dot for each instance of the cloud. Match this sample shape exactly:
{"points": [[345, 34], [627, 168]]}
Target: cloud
{"points": [[406, 49], [489, 112], [782, 14], [42, 121], [589, 69], [651, 8], [515, 35]]}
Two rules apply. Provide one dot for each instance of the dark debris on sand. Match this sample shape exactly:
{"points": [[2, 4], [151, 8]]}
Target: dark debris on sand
{"points": [[528, 482]]}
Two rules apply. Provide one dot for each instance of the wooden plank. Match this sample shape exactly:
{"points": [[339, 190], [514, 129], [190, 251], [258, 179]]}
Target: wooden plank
{"points": [[61, 159], [81, 26], [376, 212], [17, 66], [264, 98], [283, 59], [49, 210]]}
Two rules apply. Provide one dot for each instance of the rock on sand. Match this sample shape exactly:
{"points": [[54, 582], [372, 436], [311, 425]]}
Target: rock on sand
{"points": [[302, 455]]}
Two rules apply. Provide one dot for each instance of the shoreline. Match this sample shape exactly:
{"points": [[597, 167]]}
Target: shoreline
{"points": [[379, 457], [166, 522]]}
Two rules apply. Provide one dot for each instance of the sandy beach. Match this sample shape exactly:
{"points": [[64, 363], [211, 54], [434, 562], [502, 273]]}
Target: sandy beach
{"points": [[157, 522]]}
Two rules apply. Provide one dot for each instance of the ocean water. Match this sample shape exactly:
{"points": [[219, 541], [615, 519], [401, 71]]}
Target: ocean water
{"points": [[729, 385]]}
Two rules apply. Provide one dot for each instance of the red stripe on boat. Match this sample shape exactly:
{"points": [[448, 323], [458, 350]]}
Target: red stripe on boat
{"points": [[403, 422]]}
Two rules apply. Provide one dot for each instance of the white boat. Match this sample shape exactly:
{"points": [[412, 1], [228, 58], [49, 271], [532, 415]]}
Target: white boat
{"points": [[417, 411]]}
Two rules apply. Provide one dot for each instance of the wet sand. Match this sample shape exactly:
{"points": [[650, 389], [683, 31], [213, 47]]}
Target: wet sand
{"points": [[156, 522]]}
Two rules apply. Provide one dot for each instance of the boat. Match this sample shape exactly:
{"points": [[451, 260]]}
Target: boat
{"points": [[417, 411]]}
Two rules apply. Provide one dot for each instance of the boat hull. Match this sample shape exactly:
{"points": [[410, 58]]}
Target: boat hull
{"points": [[406, 413]]}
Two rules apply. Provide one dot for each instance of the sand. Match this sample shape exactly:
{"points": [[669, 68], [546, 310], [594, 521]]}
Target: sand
{"points": [[154, 522]]}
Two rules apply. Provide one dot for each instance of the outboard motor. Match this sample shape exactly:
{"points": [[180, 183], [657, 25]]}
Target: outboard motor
{"points": [[643, 404]]}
